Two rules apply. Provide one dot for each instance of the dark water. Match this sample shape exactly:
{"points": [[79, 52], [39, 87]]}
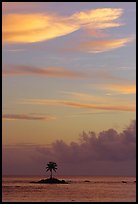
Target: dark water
{"points": [[80, 188]]}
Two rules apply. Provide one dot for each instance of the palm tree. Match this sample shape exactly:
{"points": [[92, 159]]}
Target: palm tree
{"points": [[51, 166]]}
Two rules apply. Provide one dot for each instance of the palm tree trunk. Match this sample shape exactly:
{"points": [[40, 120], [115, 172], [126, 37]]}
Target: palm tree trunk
{"points": [[51, 174]]}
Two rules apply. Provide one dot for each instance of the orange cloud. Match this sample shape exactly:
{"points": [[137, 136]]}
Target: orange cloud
{"points": [[98, 46], [26, 117], [28, 28], [83, 96], [98, 18], [120, 88], [55, 102], [58, 72], [98, 99]]}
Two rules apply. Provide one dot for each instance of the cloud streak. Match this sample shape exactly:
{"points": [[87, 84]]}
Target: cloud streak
{"points": [[119, 88], [81, 96], [12, 117], [39, 27], [106, 153], [14, 50], [57, 72], [111, 95], [98, 46], [55, 102]]}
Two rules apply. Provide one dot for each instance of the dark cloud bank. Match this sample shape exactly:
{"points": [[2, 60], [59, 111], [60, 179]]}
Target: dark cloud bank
{"points": [[108, 153]]}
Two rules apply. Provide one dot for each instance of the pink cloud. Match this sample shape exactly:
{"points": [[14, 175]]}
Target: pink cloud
{"points": [[54, 102], [27, 117], [57, 72]]}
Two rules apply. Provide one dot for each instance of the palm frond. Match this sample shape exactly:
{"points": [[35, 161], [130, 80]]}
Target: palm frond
{"points": [[51, 166]]}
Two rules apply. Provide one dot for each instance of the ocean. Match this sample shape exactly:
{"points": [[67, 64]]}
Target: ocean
{"points": [[78, 189]]}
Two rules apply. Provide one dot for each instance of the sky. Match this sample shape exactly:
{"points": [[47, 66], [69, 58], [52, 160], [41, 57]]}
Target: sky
{"points": [[68, 87]]}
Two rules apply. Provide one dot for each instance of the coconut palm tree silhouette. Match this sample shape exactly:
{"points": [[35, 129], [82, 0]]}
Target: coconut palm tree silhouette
{"points": [[51, 166]]}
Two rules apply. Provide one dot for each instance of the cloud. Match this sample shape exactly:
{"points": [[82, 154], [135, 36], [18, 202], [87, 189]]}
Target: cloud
{"points": [[24, 70], [120, 88], [98, 107], [108, 145], [96, 33], [55, 102], [81, 96], [58, 72], [107, 153], [14, 50], [98, 18], [27, 117], [104, 91], [39, 27], [97, 46]]}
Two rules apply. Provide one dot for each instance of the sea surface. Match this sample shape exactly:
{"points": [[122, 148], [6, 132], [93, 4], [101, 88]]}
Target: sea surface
{"points": [[78, 189]]}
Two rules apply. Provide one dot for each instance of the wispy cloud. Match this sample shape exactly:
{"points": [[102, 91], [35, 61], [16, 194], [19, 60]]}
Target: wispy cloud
{"points": [[27, 117], [98, 18], [13, 50], [81, 96], [104, 95], [39, 27], [58, 72], [119, 88], [97, 46], [96, 33], [73, 104]]}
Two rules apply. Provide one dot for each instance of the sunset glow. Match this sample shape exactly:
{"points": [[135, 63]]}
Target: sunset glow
{"points": [[69, 68]]}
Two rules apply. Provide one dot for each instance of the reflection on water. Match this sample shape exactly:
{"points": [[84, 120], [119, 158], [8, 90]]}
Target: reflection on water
{"points": [[87, 189]]}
